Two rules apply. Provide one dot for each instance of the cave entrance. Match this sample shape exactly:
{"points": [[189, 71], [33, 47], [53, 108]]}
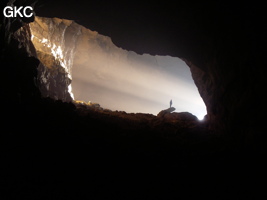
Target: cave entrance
{"points": [[115, 78]]}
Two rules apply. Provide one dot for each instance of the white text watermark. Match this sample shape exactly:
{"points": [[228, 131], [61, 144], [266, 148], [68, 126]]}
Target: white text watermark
{"points": [[21, 11]]}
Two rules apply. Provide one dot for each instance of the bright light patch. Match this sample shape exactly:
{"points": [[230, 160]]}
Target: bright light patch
{"points": [[70, 91], [44, 41], [123, 80]]}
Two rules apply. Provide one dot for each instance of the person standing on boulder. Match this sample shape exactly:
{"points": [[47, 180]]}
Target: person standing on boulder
{"points": [[171, 103]]}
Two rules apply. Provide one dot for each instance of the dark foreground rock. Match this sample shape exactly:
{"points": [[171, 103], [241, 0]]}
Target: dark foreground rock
{"points": [[164, 112]]}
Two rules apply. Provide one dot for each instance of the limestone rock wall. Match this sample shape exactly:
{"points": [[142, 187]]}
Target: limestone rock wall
{"points": [[54, 42]]}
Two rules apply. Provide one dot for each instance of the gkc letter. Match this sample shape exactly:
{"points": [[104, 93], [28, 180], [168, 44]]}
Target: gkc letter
{"points": [[14, 11]]}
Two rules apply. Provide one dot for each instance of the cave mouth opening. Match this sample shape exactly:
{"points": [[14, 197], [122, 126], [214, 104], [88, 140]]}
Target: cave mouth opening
{"points": [[80, 65]]}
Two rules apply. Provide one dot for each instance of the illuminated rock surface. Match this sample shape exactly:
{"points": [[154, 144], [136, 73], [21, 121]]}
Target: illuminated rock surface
{"points": [[54, 42]]}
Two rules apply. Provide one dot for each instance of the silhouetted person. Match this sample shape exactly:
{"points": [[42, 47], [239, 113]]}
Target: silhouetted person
{"points": [[171, 103]]}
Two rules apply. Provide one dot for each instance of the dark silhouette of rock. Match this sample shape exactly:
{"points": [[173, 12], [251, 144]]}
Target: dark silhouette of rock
{"points": [[164, 112], [182, 116]]}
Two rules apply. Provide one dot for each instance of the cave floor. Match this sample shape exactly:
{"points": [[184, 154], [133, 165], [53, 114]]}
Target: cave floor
{"points": [[61, 151]]}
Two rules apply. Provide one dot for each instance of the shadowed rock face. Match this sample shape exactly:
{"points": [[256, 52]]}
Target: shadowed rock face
{"points": [[231, 84]]}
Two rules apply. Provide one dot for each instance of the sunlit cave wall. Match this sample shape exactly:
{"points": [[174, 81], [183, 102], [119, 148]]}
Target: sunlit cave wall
{"points": [[54, 41], [98, 71]]}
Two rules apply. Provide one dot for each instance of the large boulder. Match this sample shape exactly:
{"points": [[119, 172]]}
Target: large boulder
{"points": [[182, 116], [164, 112], [170, 116]]}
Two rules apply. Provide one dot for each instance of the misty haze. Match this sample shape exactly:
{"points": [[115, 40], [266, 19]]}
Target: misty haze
{"points": [[123, 80], [113, 77]]}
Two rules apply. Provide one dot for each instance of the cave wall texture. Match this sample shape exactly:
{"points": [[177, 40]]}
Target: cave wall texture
{"points": [[54, 45], [223, 47]]}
